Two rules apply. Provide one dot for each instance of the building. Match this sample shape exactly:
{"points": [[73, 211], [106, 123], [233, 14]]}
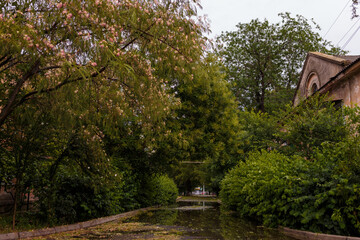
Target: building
{"points": [[339, 76], [6, 198]]}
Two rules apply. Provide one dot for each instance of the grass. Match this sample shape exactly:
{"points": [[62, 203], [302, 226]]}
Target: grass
{"points": [[120, 230], [198, 198], [25, 221]]}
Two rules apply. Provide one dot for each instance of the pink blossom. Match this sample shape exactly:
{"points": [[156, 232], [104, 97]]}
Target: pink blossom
{"points": [[62, 53], [29, 26], [94, 64], [69, 16], [59, 5], [27, 38]]}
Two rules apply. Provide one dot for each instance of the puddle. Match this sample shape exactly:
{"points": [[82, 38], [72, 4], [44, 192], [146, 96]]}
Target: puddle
{"points": [[204, 220]]}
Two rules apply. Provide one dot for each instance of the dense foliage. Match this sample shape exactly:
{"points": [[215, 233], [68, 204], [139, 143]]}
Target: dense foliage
{"points": [[203, 131], [85, 92], [160, 190], [101, 101], [311, 181], [263, 60]]}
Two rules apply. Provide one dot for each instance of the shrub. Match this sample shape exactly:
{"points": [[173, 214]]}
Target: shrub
{"points": [[313, 195], [75, 197], [313, 122], [160, 190], [78, 199]]}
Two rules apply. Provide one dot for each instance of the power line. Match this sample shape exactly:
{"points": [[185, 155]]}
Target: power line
{"points": [[348, 31], [336, 19], [347, 42]]}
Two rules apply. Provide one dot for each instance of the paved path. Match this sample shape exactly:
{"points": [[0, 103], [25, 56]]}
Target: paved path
{"points": [[71, 227]]}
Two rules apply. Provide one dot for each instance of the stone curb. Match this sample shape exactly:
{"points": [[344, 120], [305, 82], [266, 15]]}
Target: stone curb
{"points": [[71, 227], [304, 235]]}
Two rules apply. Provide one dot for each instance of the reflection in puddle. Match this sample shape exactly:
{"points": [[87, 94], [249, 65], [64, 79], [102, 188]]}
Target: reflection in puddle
{"points": [[205, 220], [187, 208]]}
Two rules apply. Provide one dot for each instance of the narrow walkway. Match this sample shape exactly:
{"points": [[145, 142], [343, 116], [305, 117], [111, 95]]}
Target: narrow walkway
{"points": [[71, 227]]}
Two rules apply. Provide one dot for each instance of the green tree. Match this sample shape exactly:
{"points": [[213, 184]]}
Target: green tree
{"points": [[28, 146], [207, 121], [258, 131], [263, 60], [188, 176]]}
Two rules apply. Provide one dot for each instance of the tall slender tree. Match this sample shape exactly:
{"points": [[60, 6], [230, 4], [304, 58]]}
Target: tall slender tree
{"points": [[263, 60]]}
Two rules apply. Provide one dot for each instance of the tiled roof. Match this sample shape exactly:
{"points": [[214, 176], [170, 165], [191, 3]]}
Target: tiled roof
{"points": [[350, 58]]}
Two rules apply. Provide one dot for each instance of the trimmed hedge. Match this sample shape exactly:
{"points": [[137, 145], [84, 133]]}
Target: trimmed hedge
{"points": [[159, 190]]}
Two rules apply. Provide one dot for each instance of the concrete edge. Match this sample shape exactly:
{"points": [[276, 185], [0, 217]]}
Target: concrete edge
{"points": [[302, 235], [70, 227]]}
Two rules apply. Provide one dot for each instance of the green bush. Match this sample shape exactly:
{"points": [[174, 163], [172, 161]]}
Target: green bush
{"points": [[78, 199], [318, 195], [310, 124], [159, 190], [74, 197]]}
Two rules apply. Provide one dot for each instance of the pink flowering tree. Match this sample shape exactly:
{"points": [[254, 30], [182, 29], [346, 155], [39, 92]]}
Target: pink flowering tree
{"points": [[111, 49], [90, 63]]}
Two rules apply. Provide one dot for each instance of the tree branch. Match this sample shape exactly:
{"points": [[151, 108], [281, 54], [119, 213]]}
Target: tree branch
{"points": [[135, 38], [9, 107], [49, 68], [164, 42], [27, 96], [7, 60], [11, 65]]}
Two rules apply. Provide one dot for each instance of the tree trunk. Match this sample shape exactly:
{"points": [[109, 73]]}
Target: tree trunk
{"points": [[28, 201], [262, 103], [11, 102], [17, 192]]}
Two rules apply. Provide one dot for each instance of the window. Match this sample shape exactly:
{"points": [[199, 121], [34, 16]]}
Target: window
{"points": [[338, 104], [312, 84], [314, 88]]}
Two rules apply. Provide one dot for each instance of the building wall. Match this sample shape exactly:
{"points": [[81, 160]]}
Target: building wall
{"points": [[347, 90], [7, 198], [316, 67]]}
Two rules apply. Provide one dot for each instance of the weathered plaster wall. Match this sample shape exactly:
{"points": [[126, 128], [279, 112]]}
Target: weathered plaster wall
{"points": [[347, 90], [324, 71]]}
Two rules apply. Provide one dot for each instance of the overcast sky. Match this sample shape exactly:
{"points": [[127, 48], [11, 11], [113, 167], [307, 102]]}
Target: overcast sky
{"points": [[225, 14]]}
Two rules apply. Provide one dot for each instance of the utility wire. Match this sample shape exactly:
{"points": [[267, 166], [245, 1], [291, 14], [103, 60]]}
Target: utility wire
{"points": [[336, 19], [348, 31], [347, 42]]}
